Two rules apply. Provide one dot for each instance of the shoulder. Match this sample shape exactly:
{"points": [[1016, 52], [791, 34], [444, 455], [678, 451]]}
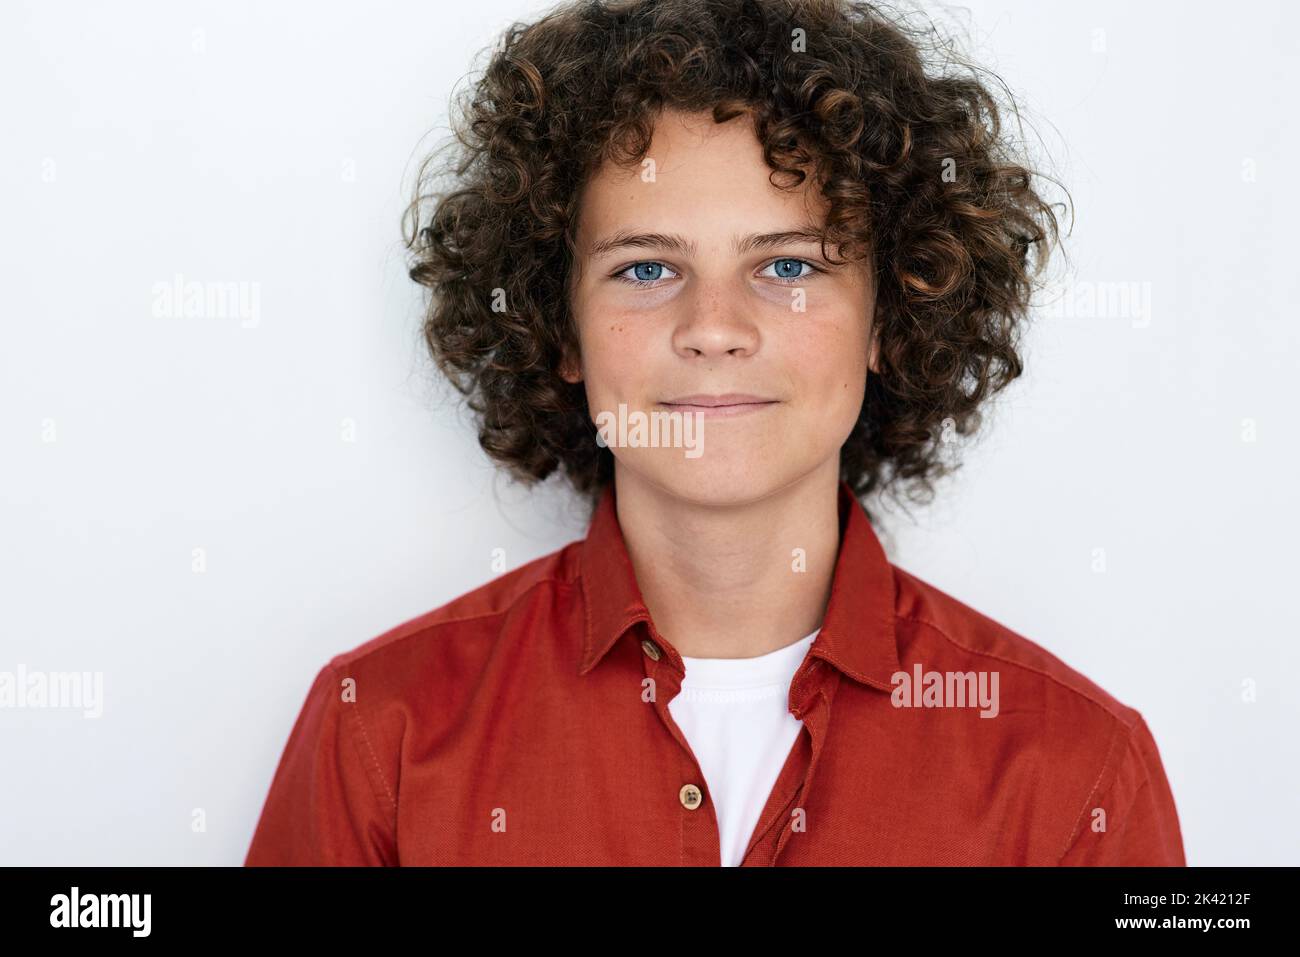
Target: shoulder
{"points": [[1053, 717], [1085, 748], [424, 671], [419, 675], [931, 622], [471, 619]]}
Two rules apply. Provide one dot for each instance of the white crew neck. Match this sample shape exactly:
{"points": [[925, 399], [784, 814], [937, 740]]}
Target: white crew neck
{"points": [[774, 669]]}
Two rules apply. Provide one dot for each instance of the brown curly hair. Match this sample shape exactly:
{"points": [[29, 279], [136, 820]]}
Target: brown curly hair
{"points": [[913, 163]]}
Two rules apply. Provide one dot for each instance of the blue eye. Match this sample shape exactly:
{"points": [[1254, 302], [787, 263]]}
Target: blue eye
{"points": [[644, 274], [650, 272], [789, 270]]}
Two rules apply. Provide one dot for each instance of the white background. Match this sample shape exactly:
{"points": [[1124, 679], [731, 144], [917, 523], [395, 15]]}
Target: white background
{"points": [[276, 144]]}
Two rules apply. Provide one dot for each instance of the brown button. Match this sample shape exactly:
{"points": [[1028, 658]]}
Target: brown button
{"points": [[650, 648], [690, 796]]}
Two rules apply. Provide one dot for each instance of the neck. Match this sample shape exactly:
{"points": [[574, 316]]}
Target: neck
{"points": [[724, 581]]}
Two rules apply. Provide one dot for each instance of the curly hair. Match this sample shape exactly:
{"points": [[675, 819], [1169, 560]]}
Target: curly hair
{"points": [[913, 164]]}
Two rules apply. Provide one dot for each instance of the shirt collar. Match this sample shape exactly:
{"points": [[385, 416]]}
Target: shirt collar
{"points": [[857, 631]]}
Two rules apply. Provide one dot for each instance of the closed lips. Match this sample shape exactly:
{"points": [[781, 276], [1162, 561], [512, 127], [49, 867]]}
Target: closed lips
{"points": [[718, 401]]}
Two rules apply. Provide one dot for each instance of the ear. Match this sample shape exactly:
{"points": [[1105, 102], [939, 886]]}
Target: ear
{"points": [[570, 369], [873, 356]]}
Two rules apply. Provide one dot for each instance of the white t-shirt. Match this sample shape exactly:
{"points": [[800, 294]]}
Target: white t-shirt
{"points": [[735, 713]]}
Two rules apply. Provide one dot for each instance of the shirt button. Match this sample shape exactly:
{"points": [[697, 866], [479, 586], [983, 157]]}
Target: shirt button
{"points": [[650, 649], [690, 797]]}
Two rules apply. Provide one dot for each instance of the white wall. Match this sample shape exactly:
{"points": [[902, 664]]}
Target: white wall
{"points": [[274, 145]]}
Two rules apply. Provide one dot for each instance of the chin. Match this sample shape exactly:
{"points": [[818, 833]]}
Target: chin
{"points": [[716, 481]]}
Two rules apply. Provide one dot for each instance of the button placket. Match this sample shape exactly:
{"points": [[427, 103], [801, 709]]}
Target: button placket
{"points": [[811, 694], [815, 718], [701, 841]]}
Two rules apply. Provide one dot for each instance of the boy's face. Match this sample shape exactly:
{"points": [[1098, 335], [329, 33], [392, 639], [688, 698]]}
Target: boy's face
{"points": [[770, 320]]}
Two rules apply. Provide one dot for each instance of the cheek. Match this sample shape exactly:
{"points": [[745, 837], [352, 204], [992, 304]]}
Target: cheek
{"points": [[832, 359], [616, 353], [831, 374]]}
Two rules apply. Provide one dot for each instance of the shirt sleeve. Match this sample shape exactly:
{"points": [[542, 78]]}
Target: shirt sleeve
{"points": [[328, 804], [1140, 824]]}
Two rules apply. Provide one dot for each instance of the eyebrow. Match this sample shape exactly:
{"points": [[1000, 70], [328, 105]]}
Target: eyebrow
{"points": [[626, 238]]}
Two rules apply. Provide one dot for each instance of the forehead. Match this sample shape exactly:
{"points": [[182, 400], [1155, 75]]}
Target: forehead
{"points": [[697, 175]]}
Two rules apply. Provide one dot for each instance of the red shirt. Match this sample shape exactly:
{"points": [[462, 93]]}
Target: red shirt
{"points": [[515, 725]]}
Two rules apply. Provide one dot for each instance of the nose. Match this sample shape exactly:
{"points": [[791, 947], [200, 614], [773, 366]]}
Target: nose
{"points": [[716, 323]]}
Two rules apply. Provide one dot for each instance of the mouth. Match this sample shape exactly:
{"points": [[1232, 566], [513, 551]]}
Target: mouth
{"points": [[719, 406]]}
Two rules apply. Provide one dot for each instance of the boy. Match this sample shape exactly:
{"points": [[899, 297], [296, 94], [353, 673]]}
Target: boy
{"points": [[768, 231]]}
